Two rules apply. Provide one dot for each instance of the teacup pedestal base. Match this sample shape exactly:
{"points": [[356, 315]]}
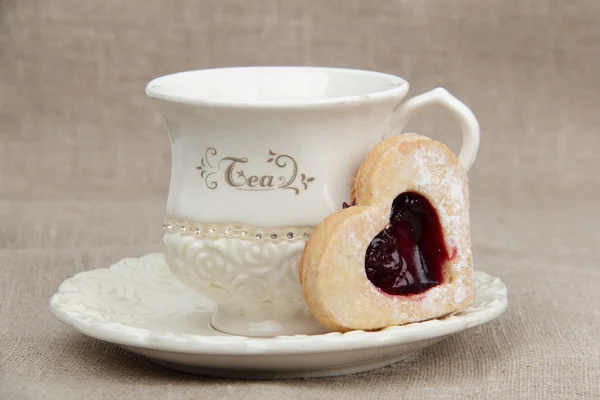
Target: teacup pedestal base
{"points": [[254, 283], [248, 326]]}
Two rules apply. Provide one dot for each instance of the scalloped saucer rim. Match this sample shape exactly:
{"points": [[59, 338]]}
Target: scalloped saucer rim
{"points": [[130, 302], [223, 343]]}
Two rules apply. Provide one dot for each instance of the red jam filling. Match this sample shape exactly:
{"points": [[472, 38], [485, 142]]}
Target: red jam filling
{"points": [[408, 256], [346, 205]]}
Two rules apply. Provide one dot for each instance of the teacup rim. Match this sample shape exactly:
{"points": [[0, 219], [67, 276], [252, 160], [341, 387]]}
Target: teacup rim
{"points": [[398, 89]]}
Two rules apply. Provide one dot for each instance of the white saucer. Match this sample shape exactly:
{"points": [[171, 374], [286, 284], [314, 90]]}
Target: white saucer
{"points": [[138, 305]]}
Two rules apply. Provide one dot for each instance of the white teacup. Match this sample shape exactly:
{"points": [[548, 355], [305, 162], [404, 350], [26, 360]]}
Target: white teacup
{"points": [[260, 156]]}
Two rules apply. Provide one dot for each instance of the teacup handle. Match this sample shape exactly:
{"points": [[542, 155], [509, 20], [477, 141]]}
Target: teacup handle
{"points": [[462, 114]]}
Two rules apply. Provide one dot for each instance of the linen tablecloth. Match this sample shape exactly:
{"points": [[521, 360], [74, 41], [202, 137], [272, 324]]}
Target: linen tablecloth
{"points": [[84, 170]]}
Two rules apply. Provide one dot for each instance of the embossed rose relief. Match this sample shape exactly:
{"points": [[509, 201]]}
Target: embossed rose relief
{"points": [[242, 277], [230, 171]]}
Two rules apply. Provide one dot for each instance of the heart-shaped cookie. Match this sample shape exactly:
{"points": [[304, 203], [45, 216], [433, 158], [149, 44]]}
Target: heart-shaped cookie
{"points": [[402, 252]]}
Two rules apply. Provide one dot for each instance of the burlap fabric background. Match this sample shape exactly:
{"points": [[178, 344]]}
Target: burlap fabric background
{"points": [[84, 168]]}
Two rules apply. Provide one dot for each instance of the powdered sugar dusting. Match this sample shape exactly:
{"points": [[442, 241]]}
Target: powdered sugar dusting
{"points": [[460, 295], [420, 161], [431, 302], [439, 178], [456, 190]]}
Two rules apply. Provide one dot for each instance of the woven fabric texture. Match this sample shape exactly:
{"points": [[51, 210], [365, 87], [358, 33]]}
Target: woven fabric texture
{"points": [[85, 163]]}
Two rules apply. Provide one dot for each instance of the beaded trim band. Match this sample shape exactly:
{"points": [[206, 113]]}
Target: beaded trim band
{"points": [[232, 230]]}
